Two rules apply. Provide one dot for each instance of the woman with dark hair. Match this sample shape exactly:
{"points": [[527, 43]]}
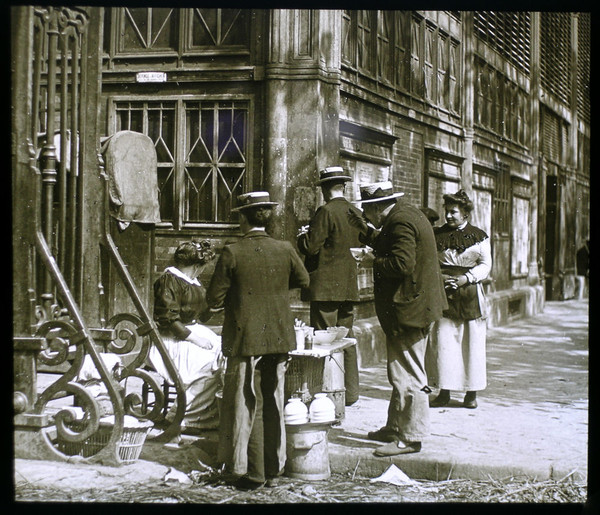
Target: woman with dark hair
{"points": [[179, 304], [456, 358]]}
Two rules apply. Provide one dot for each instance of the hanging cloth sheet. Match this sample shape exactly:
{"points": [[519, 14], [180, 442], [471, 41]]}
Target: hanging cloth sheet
{"points": [[131, 166]]}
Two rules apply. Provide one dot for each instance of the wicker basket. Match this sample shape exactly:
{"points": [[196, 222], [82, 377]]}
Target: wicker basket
{"points": [[129, 446], [304, 371]]}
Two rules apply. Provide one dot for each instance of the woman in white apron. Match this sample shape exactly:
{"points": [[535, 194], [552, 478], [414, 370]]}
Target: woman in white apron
{"points": [[456, 356]]}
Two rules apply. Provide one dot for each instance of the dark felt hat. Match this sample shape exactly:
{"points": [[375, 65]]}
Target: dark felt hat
{"points": [[377, 192]]}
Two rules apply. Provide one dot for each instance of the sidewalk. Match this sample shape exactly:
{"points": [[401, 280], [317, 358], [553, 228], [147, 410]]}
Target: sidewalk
{"points": [[532, 419]]}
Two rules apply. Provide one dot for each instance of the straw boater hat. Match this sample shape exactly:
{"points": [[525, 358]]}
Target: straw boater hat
{"points": [[254, 199], [377, 192], [333, 173]]}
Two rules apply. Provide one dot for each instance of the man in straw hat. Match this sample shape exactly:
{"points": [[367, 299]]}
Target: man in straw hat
{"points": [[333, 290], [409, 297], [252, 279]]}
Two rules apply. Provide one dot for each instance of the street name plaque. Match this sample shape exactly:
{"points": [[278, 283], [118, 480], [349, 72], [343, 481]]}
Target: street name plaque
{"points": [[151, 77]]}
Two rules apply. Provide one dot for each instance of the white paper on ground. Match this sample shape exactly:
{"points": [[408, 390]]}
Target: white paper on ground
{"points": [[394, 476], [176, 475]]}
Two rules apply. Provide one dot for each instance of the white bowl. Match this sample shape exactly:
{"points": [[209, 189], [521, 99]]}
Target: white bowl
{"points": [[323, 336], [341, 331]]}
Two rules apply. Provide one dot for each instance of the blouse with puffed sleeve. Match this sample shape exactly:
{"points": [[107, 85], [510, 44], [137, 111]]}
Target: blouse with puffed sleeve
{"points": [[178, 301]]}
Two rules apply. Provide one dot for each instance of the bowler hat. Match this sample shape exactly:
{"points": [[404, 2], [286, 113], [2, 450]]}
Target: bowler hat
{"points": [[333, 173], [254, 199], [377, 192], [431, 214]]}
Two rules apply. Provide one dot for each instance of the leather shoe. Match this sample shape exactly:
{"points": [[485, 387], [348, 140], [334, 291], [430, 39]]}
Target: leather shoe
{"points": [[383, 435], [245, 483], [471, 403], [393, 449], [272, 482], [439, 401]]}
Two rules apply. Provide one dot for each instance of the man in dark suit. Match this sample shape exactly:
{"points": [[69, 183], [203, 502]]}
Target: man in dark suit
{"points": [[409, 297], [326, 243], [251, 281]]}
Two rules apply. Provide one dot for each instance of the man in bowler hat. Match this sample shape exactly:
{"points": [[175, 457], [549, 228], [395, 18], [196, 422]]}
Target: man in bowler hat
{"points": [[333, 289]]}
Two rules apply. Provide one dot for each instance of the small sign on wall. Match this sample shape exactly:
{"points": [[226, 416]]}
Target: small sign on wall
{"points": [[151, 77]]}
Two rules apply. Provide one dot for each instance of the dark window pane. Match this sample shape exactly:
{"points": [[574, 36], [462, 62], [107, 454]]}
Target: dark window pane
{"points": [[235, 26], [134, 36], [197, 195], [230, 185], [220, 27], [165, 189], [164, 28]]}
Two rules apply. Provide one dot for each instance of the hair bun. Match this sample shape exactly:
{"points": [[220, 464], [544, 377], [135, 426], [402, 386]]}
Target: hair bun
{"points": [[204, 250]]}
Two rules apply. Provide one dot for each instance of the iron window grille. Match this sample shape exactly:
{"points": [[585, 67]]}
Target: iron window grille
{"points": [[202, 152]]}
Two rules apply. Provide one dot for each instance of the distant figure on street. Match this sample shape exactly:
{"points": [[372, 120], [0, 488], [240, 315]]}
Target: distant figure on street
{"points": [[456, 358], [583, 259], [431, 215], [583, 268], [409, 297], [251, 281], [333, 289]]}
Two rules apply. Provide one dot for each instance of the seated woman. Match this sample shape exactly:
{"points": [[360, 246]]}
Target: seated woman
{"points": [[179, 304]]}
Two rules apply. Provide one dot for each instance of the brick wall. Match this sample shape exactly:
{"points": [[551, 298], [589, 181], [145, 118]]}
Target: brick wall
{"points": [[408, 164]]}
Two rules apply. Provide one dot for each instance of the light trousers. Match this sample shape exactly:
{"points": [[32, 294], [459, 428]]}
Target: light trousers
{"points": [[408, 411], [252, 428]]}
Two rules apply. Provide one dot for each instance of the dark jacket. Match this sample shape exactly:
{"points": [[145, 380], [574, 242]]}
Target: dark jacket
{"points": [[408, 285], [327, 249], [251, 281], [178, 303]]}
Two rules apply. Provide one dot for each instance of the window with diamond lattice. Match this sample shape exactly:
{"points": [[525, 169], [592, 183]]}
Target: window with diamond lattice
{"points": [[202, 169], [139, 32], [215, 159], [220, 28], [144, 29], [156, 120]]}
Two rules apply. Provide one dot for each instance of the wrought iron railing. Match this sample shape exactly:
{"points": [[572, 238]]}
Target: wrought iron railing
{"points": [[59, 337]]}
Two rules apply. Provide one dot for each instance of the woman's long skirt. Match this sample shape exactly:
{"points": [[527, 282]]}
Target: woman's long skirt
{"points": [[201, 373], [456, 355]]}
